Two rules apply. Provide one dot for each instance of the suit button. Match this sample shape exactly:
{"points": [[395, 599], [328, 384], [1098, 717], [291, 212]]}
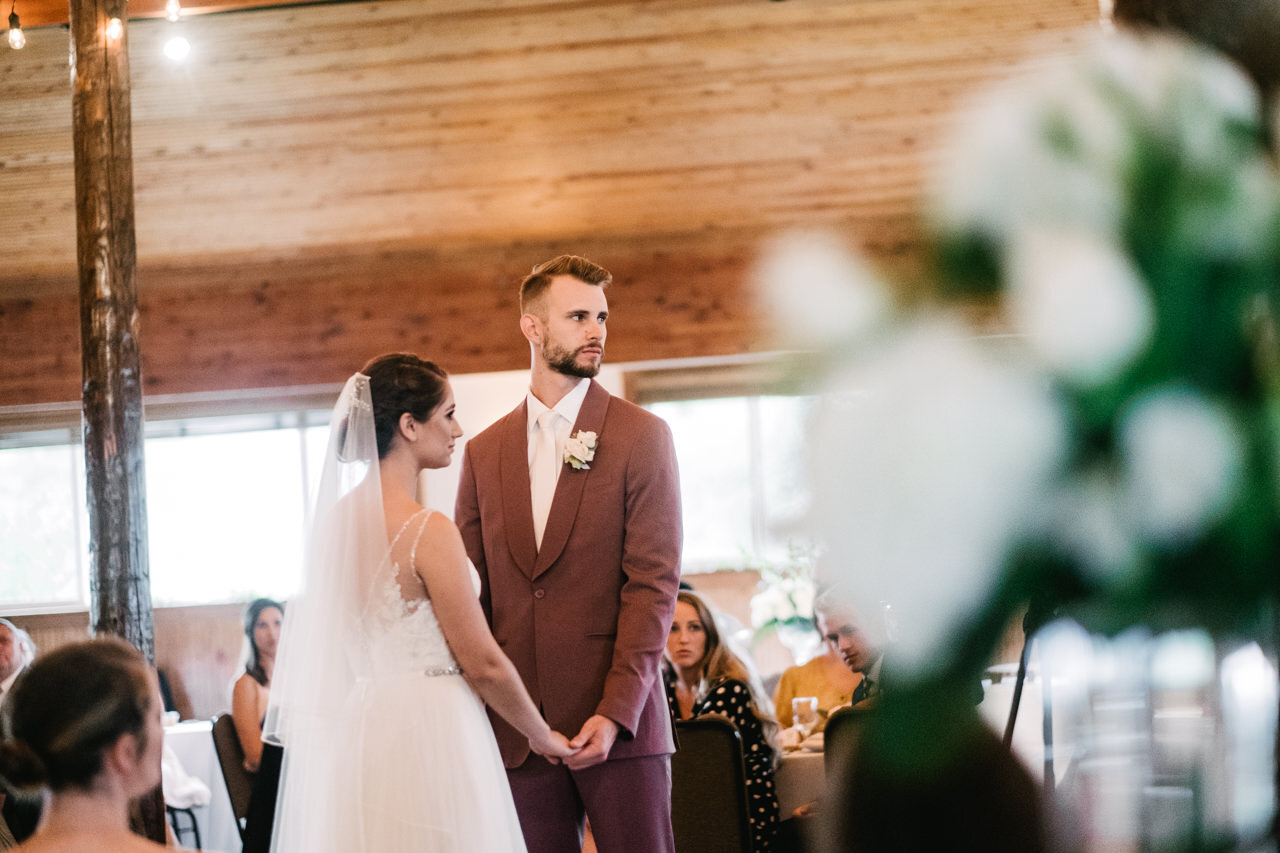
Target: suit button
{"points": [[539, 593]]}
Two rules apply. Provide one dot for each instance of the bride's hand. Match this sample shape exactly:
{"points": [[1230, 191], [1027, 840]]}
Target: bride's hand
{"points": [[552, 746]]}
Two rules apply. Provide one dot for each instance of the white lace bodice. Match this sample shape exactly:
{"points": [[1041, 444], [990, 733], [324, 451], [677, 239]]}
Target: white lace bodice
{"points": [[403, 636]]}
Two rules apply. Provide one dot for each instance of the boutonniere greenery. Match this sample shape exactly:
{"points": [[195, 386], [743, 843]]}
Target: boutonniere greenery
{"points": [[580, 449]]}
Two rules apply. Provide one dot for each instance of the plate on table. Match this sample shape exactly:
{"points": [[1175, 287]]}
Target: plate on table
{"points": [[813, 743]]}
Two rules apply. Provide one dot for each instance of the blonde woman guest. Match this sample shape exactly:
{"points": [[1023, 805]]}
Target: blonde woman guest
{"points": [[262, 623], [85, 722], [704, 676]]}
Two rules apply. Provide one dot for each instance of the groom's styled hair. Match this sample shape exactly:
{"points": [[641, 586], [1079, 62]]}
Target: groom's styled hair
{"points": [[536, 283]]}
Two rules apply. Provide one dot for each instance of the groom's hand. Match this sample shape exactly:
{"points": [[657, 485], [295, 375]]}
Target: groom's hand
{"points": [[593, 742]]}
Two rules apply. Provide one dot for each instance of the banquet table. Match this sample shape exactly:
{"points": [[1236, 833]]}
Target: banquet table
{"points": [[800, 779], [192, 741]]}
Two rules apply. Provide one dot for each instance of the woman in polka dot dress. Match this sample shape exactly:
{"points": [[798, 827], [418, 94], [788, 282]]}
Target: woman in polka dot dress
{"points": [[705, 677]]}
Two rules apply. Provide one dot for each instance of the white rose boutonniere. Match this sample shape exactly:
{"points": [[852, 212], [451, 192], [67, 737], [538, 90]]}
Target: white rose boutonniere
{"points": [[580, 449]]}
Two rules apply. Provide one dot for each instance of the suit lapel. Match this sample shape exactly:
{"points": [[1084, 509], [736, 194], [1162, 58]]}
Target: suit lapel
{"points": [[516, 499], [569, 486]]}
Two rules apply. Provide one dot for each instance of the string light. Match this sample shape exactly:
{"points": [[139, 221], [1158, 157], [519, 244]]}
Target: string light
{"points": [[17, 39], [176, 47]]}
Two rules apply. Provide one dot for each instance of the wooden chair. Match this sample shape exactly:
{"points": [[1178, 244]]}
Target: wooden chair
{"points": [[709, 812], [231, 758]]}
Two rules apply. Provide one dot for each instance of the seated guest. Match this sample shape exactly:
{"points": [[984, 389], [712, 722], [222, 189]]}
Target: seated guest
{"points": [[262, 622], [16, 653], [19, 811], [85, 722], [826, 677], [861, 644], [705, 677]]}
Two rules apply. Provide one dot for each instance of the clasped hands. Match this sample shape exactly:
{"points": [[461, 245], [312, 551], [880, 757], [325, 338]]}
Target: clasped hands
{"points": [[589, 747]]}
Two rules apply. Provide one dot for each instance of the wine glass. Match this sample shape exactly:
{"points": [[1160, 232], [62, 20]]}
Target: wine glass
{"points": [[804, 710]]}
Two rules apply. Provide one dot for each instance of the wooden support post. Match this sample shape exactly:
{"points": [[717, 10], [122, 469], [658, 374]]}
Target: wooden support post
{"points": [[120, 581]]}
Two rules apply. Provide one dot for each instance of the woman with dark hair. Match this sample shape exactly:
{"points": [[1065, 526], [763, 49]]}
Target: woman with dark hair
{"points": [[704, 676], [249, 698], [387, 745], [85, 722]]}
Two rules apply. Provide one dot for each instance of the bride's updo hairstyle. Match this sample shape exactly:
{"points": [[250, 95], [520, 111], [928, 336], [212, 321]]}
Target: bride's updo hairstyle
{"points": [[401, 382], [70, 706]]}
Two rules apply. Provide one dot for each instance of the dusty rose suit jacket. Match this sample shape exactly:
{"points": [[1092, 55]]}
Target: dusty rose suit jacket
{"points": [[584, 619]]}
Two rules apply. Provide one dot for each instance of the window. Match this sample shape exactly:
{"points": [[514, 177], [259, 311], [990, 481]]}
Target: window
{"points": [[742, 463], [228, 498], [43, 556]]}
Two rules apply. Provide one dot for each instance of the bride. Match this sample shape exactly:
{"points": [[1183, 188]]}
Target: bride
{"points": [[386, 659]]}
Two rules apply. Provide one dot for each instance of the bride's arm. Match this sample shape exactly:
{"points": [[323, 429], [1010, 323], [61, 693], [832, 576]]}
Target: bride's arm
{"points": [[441, 562]]}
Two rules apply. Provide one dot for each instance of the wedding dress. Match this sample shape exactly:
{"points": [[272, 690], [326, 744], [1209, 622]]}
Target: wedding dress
{"points": [[386, 747]]}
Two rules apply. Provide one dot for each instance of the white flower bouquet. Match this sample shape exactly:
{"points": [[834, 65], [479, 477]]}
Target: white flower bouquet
{"points": [[1115, 451]]}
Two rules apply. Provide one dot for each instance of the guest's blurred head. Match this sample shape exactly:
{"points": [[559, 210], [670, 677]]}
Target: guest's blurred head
{"points": [[82, 710], [859, 640], [263, 620], [16, 649], [400, 383]]}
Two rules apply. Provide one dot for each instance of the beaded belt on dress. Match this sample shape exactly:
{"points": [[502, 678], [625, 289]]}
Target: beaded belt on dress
{"points": [[446, 670]]}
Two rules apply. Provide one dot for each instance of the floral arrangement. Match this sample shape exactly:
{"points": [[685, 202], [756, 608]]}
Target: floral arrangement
{"points": [[580, 449], [1113, 454], [785, 599]]}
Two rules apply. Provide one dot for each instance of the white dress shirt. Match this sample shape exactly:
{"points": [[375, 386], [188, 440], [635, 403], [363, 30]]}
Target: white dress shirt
{"points": [[568, 407]]}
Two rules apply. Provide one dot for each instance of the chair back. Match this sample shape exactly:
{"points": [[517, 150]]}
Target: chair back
{"points": [[709, 811], [845, 727], [231, 758]]}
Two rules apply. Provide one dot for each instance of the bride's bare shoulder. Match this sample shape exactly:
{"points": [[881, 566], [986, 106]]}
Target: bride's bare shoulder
{"points": [[440, 530]]}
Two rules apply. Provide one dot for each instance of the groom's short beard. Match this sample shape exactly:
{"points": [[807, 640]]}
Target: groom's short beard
{"points": [[566, 362]]}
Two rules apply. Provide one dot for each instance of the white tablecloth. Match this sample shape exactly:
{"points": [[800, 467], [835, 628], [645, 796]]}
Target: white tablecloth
{"points": [[193, 743], [800, 779]]}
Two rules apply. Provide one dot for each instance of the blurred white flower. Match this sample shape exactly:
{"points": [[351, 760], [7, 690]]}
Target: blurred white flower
{"points": [[1057, 145], [1087, 521], [781, 600], [817, 292], [924, 480], [1182, 458], [1039, 148], [1079, 300]]}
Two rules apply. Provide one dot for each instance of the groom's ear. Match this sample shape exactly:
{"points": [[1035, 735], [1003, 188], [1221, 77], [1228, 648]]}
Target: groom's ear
{"points": [[531, 326]]}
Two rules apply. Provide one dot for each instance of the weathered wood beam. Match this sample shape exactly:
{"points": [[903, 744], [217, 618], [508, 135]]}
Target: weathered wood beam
{"points": [[119, 582]]}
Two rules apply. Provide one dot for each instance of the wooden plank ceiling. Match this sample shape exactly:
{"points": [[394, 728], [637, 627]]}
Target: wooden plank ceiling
{"points": [[312, 146]]}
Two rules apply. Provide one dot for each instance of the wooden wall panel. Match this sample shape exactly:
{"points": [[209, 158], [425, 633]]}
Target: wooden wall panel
{"points": [[198, 647], [270, 324]]}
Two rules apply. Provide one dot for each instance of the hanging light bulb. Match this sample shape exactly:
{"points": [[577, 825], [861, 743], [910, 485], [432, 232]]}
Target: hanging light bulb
{"points": [[17, 39], [115, 29], [177, 48], [173, 10]]}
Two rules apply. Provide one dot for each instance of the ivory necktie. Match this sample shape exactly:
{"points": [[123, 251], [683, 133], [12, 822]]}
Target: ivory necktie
{"points": [[543, 472]]}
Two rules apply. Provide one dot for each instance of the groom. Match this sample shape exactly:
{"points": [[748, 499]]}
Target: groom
{"points": [[570, 509]]}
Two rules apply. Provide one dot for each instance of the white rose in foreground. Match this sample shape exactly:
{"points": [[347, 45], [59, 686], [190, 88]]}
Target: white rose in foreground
{"points": [[927, 465], [1084, 308], [1183, 459], [801, 270]]}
